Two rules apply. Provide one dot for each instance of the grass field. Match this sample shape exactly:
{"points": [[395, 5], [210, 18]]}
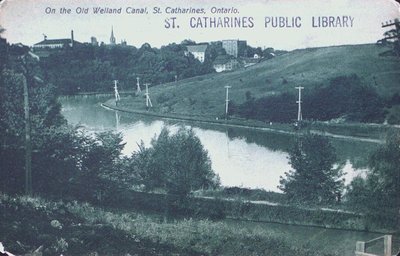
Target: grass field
{"points": [[310, 68]]}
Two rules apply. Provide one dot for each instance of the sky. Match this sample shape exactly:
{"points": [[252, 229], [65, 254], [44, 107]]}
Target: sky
{"points": [[26, 21]]}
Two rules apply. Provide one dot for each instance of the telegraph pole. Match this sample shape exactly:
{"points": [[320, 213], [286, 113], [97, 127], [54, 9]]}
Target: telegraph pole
{"points": [[117, 97], [138, 90], [299, 114], [392, 34], [148, 101], [227, 100], [117, 120], [28, 143]]}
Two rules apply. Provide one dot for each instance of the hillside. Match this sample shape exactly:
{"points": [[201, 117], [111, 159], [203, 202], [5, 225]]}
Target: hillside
{"points": [[313, 67]]}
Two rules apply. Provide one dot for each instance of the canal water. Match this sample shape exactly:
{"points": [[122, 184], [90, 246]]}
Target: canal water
{"points": [[241, 157]]}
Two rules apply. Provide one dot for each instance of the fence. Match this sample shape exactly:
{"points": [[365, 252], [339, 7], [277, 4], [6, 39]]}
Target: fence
{"points": [[361, 246]]}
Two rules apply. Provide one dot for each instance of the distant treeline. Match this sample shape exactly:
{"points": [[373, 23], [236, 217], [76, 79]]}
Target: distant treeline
{"points": [[89, 68], [345, 97]]}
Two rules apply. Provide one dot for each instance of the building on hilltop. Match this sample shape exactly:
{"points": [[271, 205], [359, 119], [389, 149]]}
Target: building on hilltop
{"points": [[56, 43], [198, 51], [225, 63], [93, 41], [45, 47], [235, 48], [250, 61], [113, 40]]}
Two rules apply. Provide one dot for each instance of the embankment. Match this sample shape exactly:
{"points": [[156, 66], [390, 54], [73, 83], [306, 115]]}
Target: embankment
{"points": [[215, 208], [357, 132]]}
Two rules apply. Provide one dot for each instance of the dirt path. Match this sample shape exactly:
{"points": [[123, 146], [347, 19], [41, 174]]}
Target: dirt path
{"points": [[225, 124]]}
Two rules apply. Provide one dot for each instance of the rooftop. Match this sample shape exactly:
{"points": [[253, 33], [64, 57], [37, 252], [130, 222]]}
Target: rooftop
{"points": [[55, 41], [197, 48]]}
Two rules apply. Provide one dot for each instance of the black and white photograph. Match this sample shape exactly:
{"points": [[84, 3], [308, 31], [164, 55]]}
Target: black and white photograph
{"points": [[199, 127]]}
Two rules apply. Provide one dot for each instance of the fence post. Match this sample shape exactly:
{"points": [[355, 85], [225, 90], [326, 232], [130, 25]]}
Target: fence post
{"points": [[360, 247], [387, 243]]}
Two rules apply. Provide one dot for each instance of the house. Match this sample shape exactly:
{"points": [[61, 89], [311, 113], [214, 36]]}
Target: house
{"points": [[198, 51], [225, 63], [247, 62]]}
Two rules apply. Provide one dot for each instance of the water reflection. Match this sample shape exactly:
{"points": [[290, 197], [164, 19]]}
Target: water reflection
{"points": [[241, 157]]}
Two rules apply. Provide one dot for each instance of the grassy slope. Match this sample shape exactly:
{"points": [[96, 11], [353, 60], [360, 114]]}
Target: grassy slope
{"points": [[308, 67]]}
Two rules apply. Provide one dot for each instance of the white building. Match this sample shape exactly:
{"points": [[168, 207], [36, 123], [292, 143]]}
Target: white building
{"points": [[198, 51]]}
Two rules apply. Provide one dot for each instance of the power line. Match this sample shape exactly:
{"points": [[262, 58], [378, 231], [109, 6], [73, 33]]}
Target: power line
{"points": [[392, 34]]}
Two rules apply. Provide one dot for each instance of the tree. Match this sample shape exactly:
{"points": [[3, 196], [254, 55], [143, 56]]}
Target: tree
{"points": [[100, 157], [275, 108], [384, 178], [379, 191], [314, 178], [358, 194], [347, 97], [176, 162]]}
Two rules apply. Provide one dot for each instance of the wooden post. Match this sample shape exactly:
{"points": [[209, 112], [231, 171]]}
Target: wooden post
{"points": [[360, 246], [117, 97], [387, 243], [299, 114], [227, 101]]}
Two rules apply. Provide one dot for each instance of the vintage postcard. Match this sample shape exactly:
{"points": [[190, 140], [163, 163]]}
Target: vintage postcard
{"points": [[185, 127]]}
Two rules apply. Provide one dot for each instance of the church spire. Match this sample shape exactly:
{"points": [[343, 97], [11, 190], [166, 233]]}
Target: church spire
{"points": [[112, 38]]}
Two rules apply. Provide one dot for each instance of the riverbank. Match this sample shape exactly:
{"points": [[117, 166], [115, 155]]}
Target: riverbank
{"points": [[231, 208], [219, 208], [372, 133]]}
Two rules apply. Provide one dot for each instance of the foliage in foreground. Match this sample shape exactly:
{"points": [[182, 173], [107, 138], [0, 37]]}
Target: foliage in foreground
{"points": [[183, 237]]}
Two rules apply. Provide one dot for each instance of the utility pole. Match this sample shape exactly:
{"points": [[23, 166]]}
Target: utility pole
{"points": [[299, 114], [138, 90], [148, 101], [28, 143], [393, 33], [227, 100], [117, 97], [117, 120]]}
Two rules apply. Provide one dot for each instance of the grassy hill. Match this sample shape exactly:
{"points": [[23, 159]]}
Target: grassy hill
{"points": [[307, 67]]}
